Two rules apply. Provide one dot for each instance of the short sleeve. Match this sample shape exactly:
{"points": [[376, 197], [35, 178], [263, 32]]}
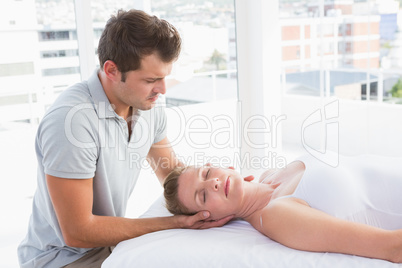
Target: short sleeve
{"points": [[68, 143], [160, 123]]}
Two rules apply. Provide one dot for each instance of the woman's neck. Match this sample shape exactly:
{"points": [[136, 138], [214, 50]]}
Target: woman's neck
{"points": [[256, 197]]}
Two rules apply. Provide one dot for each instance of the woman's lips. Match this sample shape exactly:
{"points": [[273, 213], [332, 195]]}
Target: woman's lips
{"points": [[227, 185]]}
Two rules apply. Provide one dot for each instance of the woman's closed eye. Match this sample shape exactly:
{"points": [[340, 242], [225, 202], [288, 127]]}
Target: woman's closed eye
{"points": [[206, 176], [204, 193]]}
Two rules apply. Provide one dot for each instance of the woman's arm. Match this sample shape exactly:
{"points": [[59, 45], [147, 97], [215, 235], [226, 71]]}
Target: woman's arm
{"points": [[299, 226]]}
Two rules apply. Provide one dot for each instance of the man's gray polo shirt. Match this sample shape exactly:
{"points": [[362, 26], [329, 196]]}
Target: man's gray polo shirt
{"points": [[81, 137]]}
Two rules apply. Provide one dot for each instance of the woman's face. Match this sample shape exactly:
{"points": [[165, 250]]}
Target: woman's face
{"points": [[217, 190]]}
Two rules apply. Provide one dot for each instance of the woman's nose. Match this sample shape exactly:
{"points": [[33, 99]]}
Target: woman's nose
{"points": [[215, 183]]}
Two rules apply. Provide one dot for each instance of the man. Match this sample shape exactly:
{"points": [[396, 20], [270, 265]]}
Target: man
{"points": [[90, 145]]}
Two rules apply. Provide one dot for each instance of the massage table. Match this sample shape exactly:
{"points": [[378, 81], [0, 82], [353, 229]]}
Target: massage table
{"points": [[237, 244]]}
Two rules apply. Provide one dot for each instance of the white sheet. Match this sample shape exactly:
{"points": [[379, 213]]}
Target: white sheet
{"points": [[237, 244]]}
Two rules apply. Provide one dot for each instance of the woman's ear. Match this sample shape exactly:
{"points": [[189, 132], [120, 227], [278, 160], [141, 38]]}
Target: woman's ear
{"points": [[111, 71]]}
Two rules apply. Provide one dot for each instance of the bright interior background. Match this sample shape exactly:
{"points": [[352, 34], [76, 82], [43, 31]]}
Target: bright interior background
{"points": [[299, 76]]}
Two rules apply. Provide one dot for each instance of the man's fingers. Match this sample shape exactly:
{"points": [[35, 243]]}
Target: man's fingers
{"points": [[225, 220], [217, 223], [201, 216], [201, 220]]}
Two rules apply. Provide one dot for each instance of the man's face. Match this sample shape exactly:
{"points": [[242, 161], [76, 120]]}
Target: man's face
{"points": [[143, 86]]}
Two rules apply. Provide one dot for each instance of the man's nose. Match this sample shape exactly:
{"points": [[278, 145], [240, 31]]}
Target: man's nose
{"points": [[161, 86]]}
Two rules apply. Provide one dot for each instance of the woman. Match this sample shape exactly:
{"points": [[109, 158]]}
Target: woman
{"points": [[355, 208]]}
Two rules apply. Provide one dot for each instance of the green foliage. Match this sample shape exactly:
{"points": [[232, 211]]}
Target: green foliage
{"points": [[396, 90], [217, 59], [387, 45]]}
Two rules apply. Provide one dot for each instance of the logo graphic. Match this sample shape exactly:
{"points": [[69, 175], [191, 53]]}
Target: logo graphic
{"points": [[328, 117]]}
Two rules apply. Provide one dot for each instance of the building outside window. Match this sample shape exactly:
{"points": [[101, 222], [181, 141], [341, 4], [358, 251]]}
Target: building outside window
{"points": [[344, 35], [350, 52]]}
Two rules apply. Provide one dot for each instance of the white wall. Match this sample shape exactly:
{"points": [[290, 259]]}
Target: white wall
{"points": [[371, 128]]}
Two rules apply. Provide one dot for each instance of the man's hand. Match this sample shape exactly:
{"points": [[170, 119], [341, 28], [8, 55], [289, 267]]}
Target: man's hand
{"points": [[201, 220]]}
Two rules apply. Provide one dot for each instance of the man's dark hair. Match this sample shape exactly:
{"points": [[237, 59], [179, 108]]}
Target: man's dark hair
{"points": [[131, 35]]}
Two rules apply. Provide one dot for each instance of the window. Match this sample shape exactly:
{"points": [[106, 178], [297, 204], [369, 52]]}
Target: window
{"points": [[29, 71], [355, 58], [60, 71], [206, 68], [38, 37], [54, 35], [347, 34], [59, 53], [17, 69]]}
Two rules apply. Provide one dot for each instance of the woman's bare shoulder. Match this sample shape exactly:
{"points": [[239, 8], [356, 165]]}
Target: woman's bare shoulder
{"points": [[276, 174]]}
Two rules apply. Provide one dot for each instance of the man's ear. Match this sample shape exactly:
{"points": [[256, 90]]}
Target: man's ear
{"points": [[111, 71]]}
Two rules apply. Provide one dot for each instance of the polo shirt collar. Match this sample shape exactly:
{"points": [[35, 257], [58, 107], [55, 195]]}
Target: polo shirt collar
{"points": [[102, 104]]}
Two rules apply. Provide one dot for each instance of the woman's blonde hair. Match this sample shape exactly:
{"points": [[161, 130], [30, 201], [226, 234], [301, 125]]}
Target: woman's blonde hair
{"points": [[171, 187]]}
